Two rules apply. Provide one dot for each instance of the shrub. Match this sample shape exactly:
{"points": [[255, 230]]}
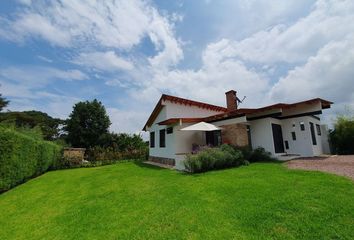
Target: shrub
{"points": [[23, 157], [260, 155], [246, 151], [110, 154], [213, 158]]}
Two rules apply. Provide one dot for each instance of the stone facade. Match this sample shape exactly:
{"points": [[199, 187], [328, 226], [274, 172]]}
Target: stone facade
{"points": [[167, 161], [235, 134]]}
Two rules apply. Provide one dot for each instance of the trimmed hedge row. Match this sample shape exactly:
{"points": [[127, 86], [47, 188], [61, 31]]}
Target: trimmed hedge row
{"points": [[23, 157]]}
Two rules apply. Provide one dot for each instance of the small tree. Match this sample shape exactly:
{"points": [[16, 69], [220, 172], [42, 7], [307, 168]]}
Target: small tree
{"points": [[342, 137], [87, 123], [3, 103]]}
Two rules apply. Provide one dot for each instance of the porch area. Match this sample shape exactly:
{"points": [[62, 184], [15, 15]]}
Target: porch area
{"points": [[196, 137]]}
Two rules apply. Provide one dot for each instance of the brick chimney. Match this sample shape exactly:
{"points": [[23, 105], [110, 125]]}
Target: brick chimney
{"points": [[231, 102]]}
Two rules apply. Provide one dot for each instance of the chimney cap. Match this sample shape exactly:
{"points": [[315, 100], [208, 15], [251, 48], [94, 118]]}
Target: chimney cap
{"points": [[231, 91]]}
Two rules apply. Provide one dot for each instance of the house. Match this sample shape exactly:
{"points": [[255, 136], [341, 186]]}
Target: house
{"points": [[284, 130]]}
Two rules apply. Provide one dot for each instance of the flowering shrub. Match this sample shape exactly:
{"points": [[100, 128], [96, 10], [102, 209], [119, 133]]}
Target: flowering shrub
{"points": [[207, 159]]}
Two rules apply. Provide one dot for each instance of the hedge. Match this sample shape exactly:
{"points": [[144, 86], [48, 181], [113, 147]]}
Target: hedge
{"points": [[23, 157]]}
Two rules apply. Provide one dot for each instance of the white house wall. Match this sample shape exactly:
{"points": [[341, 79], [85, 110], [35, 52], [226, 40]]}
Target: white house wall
{"points": [[157, 151], [262, 135], [303, 143], [186, 111], [178, 141]]}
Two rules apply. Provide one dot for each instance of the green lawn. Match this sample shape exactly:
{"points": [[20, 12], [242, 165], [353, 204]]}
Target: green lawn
{"points": [[129, 201]]}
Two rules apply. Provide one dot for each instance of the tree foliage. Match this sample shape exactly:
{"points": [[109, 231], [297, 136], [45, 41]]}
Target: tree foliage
{"points": [[49, 126], [87, 124], [342, 137], [3, 102], [122, 141]]}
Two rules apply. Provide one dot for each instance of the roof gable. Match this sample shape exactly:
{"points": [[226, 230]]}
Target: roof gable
{"points": [[181, 101]]}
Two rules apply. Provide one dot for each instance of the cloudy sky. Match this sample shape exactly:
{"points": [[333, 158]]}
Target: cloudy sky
{"points": [[126, 53]]}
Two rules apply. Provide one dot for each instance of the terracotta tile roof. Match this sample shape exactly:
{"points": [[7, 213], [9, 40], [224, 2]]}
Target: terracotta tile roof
{"points": [[224, 113], [243, 111]]}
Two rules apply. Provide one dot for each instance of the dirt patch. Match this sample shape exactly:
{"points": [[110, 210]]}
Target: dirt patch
{"points": [[340, 165]]}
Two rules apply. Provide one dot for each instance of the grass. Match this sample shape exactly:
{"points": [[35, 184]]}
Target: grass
{"points": [[132, 201]]}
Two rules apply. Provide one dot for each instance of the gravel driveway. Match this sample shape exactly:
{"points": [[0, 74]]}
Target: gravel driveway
{"points": [[341, 165]]}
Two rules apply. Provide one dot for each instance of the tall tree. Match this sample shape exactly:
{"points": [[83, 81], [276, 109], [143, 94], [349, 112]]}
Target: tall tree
{"points": [[87, 123], [3, 103]]}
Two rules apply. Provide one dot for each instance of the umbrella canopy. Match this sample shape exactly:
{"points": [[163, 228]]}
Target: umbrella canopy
{"points": [[201, 126]]}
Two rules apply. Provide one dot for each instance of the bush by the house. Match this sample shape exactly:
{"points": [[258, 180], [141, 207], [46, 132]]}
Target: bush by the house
{"points": [[214, 158], [23, 156], [256, 155], [260, 155], [342, 137]]}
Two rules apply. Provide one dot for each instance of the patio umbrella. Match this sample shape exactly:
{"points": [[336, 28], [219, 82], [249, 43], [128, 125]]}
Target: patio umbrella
{"points": [[201, 126]]}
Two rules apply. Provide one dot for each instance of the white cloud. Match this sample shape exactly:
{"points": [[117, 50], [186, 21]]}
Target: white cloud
{"points": [[34, 76], [160, 33], [106, 61], [218, 74], [31, 25], [25, 2], [126, 120], [90, 24], [45, 59], [328, 74], [25, 86], [317, 49], [329, 21]]}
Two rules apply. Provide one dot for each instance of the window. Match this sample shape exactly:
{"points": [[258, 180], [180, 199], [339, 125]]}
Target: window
{"points": [[162, 138], [169, 130], [313, 136], [302, 126], [213, 138], [286, 145], [152, 139], [318, 130], [293, 135]]}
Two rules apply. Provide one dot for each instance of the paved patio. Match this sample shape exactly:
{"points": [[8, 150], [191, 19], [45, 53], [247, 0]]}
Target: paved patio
{"points": [[342, 165]]}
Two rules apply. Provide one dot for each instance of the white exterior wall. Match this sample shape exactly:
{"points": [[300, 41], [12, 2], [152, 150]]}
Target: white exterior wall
{"points": [[262, 133], [262, 136], [303, 143], [179, 141], [186, 111], [169, 150]]}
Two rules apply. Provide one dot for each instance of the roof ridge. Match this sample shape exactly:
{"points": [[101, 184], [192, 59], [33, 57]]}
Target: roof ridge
{"points": [[193, 102]]}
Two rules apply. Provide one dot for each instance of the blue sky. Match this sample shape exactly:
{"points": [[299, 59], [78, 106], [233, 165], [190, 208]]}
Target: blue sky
{"points": [[126, 53]]}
